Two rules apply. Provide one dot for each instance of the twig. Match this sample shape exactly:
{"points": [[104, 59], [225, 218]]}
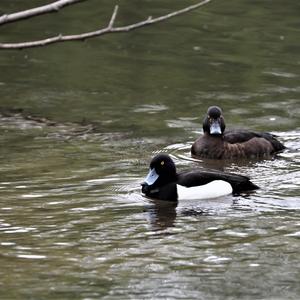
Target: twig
{"points": [[113, 17], [108, 29], [25, 14]]}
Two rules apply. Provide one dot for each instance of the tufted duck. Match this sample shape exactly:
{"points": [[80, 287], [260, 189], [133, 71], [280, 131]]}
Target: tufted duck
{"points": [[164, 183], [218, 144]]}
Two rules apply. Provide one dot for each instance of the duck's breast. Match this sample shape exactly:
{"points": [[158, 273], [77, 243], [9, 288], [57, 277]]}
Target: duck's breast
{"points": [[208, 147]]}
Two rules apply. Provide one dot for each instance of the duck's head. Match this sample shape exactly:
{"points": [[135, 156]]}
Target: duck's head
{"points": [[214, 123], [162, 172]]}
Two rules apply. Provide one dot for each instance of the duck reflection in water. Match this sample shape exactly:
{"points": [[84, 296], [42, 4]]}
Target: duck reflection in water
{"points": [[162, 214]]}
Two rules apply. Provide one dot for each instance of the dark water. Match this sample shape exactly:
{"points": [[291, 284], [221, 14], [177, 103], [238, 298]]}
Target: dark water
{"points": [[73, 223]]}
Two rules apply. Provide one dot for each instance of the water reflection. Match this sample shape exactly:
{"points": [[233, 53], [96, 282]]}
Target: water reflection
{"points": [[161, 214]]}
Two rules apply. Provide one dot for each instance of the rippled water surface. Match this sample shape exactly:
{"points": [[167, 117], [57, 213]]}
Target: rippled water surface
{"points": [[79, 123]]}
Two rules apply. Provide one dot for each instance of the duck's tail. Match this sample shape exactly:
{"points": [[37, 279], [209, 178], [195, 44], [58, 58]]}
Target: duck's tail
{"points": [[239, 183], [278, 146]]}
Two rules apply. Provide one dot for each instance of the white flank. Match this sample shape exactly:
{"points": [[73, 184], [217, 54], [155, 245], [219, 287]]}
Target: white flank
{"points": [[214, 189]]}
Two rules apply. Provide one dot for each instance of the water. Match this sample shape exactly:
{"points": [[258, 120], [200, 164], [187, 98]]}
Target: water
{"points": [[73, 223]]}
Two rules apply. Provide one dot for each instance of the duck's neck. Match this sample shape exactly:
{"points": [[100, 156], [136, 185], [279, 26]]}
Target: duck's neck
{"points": [[213, 146], [167, 192], [214, 136]]}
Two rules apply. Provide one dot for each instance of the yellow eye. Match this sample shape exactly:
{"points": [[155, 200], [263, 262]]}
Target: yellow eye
{"points": [[162, 163]]}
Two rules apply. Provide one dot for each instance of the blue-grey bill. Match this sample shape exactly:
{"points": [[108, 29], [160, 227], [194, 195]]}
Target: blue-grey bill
{"points": [[215, 128], [151, 177]]}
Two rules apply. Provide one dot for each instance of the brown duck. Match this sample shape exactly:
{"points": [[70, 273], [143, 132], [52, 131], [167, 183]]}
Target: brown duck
{"points": [[218, 144]]}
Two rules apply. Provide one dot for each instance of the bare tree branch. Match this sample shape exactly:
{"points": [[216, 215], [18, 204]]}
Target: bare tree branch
{"points": [[108, 29], [53, 7]]}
